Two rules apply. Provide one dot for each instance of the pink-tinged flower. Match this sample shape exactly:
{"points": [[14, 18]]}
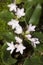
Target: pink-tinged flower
{"points": [[11, 47], [18, 40], [20, 12], [31, 28], [14, 23], [12, 7], [18, 30], [34, 41], [20, 48]]}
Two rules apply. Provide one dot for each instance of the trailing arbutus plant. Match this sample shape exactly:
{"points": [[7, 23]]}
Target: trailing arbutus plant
{"points": [[21, 32]]}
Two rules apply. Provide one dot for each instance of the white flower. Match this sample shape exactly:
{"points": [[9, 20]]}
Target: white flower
{"points": [[13, 23], [18, 29], [31, 28], [20, 48], [11, 47], [34, 41], [12, 7], [28, 36], [19, 40], [20, 12]]}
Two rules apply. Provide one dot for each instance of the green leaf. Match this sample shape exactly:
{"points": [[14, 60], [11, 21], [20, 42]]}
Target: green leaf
{"points": [[3, 25], [6, 57], [40, 48], [3, 28], [1, 37], [28, 14], [34, 60], [9, 36], [32, 2], [5, 3], [29, 3], [36, 15], [18, 1], [40, 1], [6, 15]]}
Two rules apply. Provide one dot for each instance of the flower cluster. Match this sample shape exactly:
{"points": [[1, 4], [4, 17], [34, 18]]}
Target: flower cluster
{"points": [[19, 47], [14, 23]]}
